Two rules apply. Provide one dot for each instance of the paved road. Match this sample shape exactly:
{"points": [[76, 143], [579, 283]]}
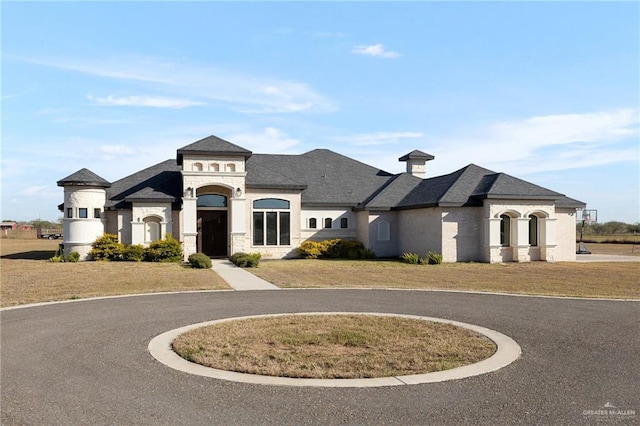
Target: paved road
{"points": [[87, 363]]}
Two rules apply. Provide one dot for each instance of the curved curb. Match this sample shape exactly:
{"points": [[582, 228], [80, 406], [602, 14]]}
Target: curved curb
{"points": [[508, 351]]}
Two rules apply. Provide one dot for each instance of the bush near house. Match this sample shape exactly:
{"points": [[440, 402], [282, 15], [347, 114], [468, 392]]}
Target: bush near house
{"points": [[246, 260], [411, 258], [432, 258], [334, 249], [107, 248], [200, 261]]}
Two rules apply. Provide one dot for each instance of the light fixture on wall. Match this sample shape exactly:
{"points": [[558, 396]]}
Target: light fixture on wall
{"points": [[238, 192], [189, 192]]}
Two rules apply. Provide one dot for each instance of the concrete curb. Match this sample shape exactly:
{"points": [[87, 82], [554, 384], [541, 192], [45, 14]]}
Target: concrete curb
{"points": [[508, 351]]}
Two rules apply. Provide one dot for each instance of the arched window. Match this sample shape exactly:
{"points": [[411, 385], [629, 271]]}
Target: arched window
{"points": [[231, 167], [212, 200], [197, 167], [505, 230], [271, 222], [344, 223], [151, 229], [214, 167], [328, 223], [533, 230], [313, 223]]}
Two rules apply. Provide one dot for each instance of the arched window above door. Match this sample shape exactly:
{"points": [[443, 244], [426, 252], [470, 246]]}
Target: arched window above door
{"points": [[212, 200]]}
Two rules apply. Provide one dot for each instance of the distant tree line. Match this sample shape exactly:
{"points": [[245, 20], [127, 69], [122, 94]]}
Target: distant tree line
{"points": [[609, 228], [38, 223]]}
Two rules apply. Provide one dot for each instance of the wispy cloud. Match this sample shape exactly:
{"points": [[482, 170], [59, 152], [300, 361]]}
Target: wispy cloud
{"points": [[144, 101], [549, 142], [270, 140], [376, 50], [379, 138], [197, 83]]}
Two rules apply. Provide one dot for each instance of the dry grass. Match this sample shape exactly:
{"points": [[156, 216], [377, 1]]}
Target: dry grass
{"points": [[618, 249], [28, 277], [333, 346], [617, 280]]}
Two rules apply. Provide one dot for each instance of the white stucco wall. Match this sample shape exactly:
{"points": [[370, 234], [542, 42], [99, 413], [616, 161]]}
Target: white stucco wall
{"points": [[320, 232], [565, 235], [80, 233], [382, 247], [462, 231]]}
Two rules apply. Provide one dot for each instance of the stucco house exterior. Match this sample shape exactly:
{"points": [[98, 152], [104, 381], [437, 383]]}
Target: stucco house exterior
{"points": [[219, 198]]}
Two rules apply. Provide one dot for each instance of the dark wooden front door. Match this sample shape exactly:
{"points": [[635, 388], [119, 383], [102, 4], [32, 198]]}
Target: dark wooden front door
{"points": [[212, 232]]}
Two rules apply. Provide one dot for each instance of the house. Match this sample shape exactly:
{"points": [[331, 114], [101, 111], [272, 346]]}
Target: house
{"points": [[219, 198]]}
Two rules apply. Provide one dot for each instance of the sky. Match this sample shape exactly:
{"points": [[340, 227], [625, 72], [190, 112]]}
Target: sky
{"points": [[544, 91]]}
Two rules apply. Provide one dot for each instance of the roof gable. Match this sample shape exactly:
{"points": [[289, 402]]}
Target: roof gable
{"points": [[160, 182], [213, 145]]}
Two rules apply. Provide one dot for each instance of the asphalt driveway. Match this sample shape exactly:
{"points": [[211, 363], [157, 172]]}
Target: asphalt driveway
{"points": [[87, 363]]}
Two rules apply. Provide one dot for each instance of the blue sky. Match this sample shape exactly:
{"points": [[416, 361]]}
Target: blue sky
{"points": [[545, 91]]}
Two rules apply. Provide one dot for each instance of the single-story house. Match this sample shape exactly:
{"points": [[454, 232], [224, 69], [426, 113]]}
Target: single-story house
{"points": [[219, 198]]}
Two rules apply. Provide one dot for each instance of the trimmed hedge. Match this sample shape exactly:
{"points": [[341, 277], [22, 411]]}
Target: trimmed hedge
{"points": [[334, 249], [134, 253], [200, 261], [107, 247], [167, 250], [246, 260]]}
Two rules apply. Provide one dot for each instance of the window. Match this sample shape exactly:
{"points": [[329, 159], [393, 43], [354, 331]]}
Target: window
{"points": [[533, 230], [151, 229], [505, 230], [313, 223], [69, 212], [384, 231], [212, 200], [271, 223], [344, 223], [215, 167], [197, 167], [96, 213], [231, 167], [328, 223], [82, 213]]}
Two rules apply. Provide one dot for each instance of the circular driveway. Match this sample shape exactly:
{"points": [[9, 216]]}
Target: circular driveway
{"points": [[87, 363]]}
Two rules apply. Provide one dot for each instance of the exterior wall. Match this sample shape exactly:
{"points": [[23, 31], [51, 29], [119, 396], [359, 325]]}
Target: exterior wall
{"points": [[382, 247], [462, 232], [565, 235], [224, 164], [519, 249], [145, 210], [420, 231], [274, 252], [362, 228], [80, 233], [320, 232]]}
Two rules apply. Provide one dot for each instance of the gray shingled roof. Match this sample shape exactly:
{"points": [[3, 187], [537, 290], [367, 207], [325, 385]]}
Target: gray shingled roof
{"points": [[84, 177], [416, 155], [330, 178], [161, 182], [326, 178], [215, 146]]}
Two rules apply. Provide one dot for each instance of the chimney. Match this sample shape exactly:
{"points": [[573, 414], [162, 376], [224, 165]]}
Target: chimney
{"points": [[416, 161]]}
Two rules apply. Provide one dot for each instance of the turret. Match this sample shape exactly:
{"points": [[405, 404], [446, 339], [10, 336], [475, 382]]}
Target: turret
{"points": [[84, 199]]}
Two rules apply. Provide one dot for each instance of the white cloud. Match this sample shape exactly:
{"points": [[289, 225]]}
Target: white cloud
{"points": [[270, 140], [545, 143], [375, 50], [37, 190], [196, 83], [379, 138], [144, 101]]}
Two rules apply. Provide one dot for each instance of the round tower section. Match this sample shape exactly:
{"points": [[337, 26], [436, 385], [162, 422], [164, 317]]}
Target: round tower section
{"points": [[83, 209]]}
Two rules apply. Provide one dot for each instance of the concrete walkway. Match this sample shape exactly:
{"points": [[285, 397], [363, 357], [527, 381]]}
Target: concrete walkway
{"points": [[238, 278]]}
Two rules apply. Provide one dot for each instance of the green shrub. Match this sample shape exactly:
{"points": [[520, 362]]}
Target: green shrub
{"points": [[167, 250], [73, 257], [411, 258], [336, 248], [434, 258], [246, 260], [200, 261], [134, 253], [56, 259], [107, 247]]}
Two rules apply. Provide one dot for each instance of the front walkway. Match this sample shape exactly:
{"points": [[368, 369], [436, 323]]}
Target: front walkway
{"points": [[238, 278]]}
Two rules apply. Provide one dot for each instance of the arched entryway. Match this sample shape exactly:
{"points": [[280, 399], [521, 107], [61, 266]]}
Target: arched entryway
{"points": [[213, 220]]}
